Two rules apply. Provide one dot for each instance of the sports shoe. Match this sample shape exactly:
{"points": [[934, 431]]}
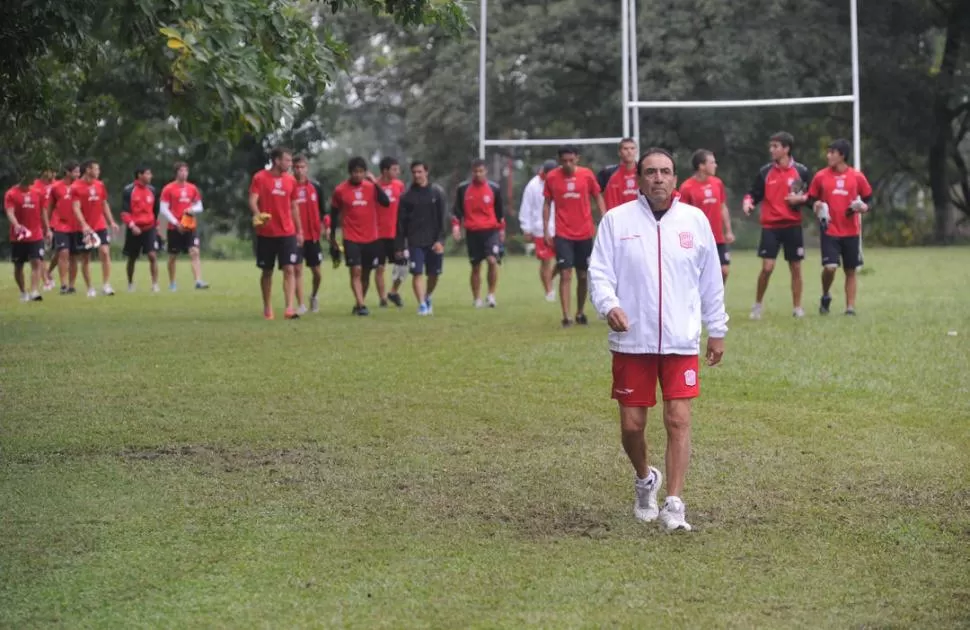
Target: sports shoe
{"points": [[48, 285], [314, 304], [581, 319], [491, 301], [71, 291], [395, 299], [156, 288], [268, 315], [824, 304], [479, 303], [363, 311], [172, 287], [354, 310], [291, 314], [798, 312], [427, 302], [755, 312], [566, 322], [36, 297], [672, 516], [850, 310], [383, 303], [92, 293], [24, 297], [131, 287], [63, 290], [301, 310], [107, 290], [423, 309], [645, 506], [200, 285], [551, 296]]}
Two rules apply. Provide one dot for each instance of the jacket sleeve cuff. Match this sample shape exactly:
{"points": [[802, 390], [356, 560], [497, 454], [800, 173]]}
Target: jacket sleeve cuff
{"points": [[608, 306]]}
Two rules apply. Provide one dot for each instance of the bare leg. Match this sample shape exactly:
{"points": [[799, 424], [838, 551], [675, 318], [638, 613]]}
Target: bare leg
{"points": [[432, 283], [72, 271], [796, 283], [677, 423], [417, 283], [317, 279], [356, 285], [105, 252], [130, 268], [767, 266], [492, 275], [565, 286], [379, 280], [633, 421], [63, 259], [37, 273], [18, 276], [289, 286], [546, 268], [196, 264], [364, 282], [725, 271], [266, 286], [851, 285], [582, 290], [171, 267], [828, 277], [153, 266], [298, 282], [476, 281], [86, 269]]}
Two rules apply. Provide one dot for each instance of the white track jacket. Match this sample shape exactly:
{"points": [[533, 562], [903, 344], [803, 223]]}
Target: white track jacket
{"points": [[665, 275], [530, 212]]}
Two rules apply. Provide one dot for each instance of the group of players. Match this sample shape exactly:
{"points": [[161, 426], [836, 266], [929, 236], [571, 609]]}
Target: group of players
{"points": [[71, 218], [386, 223]]}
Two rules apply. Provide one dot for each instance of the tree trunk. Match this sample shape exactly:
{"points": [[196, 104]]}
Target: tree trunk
{"points": [[943, 132]]}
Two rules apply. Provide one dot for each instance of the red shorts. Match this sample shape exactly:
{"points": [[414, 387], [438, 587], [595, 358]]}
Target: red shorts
{"points": [[543, 251], [635, 378]]}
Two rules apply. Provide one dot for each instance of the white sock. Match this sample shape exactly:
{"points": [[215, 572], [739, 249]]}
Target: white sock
{"points": [[649, 480]]}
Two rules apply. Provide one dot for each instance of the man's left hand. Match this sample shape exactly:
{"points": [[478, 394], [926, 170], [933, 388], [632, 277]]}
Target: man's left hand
{"points": [[715, 350], [794, 199], [438, 248]]}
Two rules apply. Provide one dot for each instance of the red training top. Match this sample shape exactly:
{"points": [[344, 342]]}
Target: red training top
{"points": [[839, 190], [26, 206], [574, 220], [387, 217], [308, 200], [621, 187], [92, 197], [356, 205], [180, 197], [138, 205], [276, 194], [708, 195]]}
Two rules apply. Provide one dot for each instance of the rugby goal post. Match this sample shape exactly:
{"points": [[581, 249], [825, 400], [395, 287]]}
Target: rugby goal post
{"points": [[631, 103]]}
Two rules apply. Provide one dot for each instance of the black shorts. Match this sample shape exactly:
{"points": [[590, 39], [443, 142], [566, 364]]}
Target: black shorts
{"points": [[791, 238], [572, 254], [143, 243], [482, 244], [78, 241], [424, 260], [21, 252], [365, 255], [388, 252], [104, 235], [281, 250], [844, 249], [312, 253], [66, 240], [724, 253], [182, 242]]}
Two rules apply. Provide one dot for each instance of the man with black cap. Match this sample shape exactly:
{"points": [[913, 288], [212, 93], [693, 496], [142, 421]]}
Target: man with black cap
{"points": [[840, 194], [530, 219]]}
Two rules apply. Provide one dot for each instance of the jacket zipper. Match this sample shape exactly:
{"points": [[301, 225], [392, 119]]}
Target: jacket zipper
{"points": [[660, 301]]}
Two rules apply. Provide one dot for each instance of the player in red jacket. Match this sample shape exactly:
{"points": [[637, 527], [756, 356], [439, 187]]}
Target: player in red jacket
{"points": [[139, 209], [23, 205], [309, 197], [478, 206], [706, 191]]}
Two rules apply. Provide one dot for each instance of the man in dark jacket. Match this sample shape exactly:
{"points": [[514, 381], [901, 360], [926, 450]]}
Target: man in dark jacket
{"points": [[422, 229]]}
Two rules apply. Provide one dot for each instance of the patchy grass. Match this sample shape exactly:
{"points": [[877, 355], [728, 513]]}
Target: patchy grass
{"points": [[174, 461]]}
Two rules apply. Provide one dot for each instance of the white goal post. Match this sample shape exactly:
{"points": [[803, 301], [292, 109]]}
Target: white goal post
{"points": [[631, 103]]}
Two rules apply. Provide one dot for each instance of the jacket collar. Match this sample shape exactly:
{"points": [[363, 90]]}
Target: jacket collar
{"points": [[648, 211]]}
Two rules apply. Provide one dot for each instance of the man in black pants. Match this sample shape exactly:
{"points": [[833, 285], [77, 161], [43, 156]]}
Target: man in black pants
{"points": [[422, 229]]}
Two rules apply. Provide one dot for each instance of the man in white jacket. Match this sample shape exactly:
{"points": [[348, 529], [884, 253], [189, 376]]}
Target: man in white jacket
{"points": [[530, 220], [655, 276]]}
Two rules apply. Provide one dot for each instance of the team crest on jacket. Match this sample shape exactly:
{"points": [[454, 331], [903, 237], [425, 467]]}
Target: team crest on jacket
{"points": [[686, 240]]}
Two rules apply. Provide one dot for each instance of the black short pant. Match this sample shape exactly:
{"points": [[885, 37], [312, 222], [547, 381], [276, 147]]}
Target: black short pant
{"points": [[67, 240], [365, 255], [724, 253], [388, 252], [281, 250], [482, 244], [81, 248], [571, 254], [790, 238], [312, 253], [182, 242], [21, 252], [137, 244], [844, 249]]}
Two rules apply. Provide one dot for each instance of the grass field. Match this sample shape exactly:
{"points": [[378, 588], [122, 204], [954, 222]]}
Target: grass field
{"points": [[175, 461]]}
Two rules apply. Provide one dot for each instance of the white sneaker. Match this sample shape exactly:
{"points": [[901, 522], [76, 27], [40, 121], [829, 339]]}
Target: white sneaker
{"points": [[490, 300], [49, 285], [798, 312], [35, 296], [755, 312], [551, 296], [156, 288], [479, 303], [672, 515], [645, 506], [24, 297], [131, 287], [92, 293], [314, 304], [107, 290], [301, 310]]}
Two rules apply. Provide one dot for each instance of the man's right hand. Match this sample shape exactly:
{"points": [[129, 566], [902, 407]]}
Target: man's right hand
{"points": [[747, 206], [547, 239], [456, 233], [617, 320], [438, 248], [134, 229]]}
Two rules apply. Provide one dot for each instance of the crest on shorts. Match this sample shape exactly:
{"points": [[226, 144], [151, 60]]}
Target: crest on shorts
{"points": [[686, 240], [690, 378]]}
